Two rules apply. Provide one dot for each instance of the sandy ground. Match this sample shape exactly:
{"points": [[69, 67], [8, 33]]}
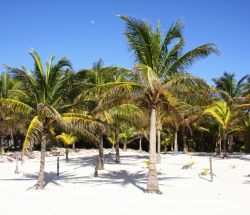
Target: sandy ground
{"points": [[119, 188]]}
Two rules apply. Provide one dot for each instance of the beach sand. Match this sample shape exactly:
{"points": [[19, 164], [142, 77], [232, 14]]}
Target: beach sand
{"points": [[119, 189]]}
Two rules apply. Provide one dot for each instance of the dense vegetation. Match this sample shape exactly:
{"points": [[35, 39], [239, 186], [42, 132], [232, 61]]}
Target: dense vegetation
{"points": [[157, 106]]}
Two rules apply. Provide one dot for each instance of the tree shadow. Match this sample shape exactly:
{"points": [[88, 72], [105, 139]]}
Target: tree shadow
{"points": [[123, 178], [49, 177]]}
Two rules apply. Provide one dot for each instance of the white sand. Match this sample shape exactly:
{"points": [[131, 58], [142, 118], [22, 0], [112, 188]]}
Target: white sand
{"points": [[119, 188]]}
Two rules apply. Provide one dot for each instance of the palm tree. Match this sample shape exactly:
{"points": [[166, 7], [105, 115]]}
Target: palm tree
{"points": [[45, 89], [98, 102], [232, 92], [226, 117], [229, 87], [67, 139], [159, 68]]}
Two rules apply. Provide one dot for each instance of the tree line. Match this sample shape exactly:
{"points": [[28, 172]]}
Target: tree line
{"points": [[158, 102]]}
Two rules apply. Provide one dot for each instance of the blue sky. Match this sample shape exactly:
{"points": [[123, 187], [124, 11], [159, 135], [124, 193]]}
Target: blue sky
{"points": [[85, 31]]}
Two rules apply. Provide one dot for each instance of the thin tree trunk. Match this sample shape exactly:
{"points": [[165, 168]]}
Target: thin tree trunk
{"points": [[218, 146], [125, 147], [101, 155], [117, 148], [40, 180], [158, 157], [176, 142], [152, 185], [172, 146], [230, 144], [1, 147], [67, 153], [140, 149], [74, 146], [185, 148], [224, 139]]}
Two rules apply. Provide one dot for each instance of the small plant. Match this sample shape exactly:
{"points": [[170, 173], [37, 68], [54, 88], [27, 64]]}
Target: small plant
{"points": [[146, 162], [189, 165], [205, 171], [232, 166]]}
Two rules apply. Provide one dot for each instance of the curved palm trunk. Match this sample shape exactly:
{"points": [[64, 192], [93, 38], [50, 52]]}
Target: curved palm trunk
{"points": [[117, 148], [185, 148], [218, 146], [140, 148], [152, 185], [101, 154], [158, 157], [224, 139], [40, 180], [176, 142]]}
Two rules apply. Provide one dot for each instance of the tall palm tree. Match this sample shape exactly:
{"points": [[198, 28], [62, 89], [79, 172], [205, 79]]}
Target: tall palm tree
{"points": [[45, 90], [159, 69], [229, 87], [98, 102]]}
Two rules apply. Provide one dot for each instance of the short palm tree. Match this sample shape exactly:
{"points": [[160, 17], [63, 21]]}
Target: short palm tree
{"points": [[160, 73], [68, 140], [226, 117]]}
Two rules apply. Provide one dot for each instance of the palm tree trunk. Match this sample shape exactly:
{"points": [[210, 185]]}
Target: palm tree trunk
{"points": [[185, 148], [67, 153], [40, 180], [74, 146], [152, 185], [140, 149], [113, 148], [176, 142], [1, 147], [230, 144], [125, 147], [218, 146], [172, 146], [117, 148], [101, 155], [224, 139], [158, 157]]}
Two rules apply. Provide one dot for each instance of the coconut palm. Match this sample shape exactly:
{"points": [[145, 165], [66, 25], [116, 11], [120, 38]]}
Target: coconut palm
{"points": [[160, 68], [226, 116], [67, 139], [98, 102], [45, 89], [229, 87]]}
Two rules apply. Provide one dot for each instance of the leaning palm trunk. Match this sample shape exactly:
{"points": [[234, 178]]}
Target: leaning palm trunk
{"points": [[152, 185], [100, 162], [117, 149], [224, 139], [175, 142], [158, 157], [40, 180]]}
